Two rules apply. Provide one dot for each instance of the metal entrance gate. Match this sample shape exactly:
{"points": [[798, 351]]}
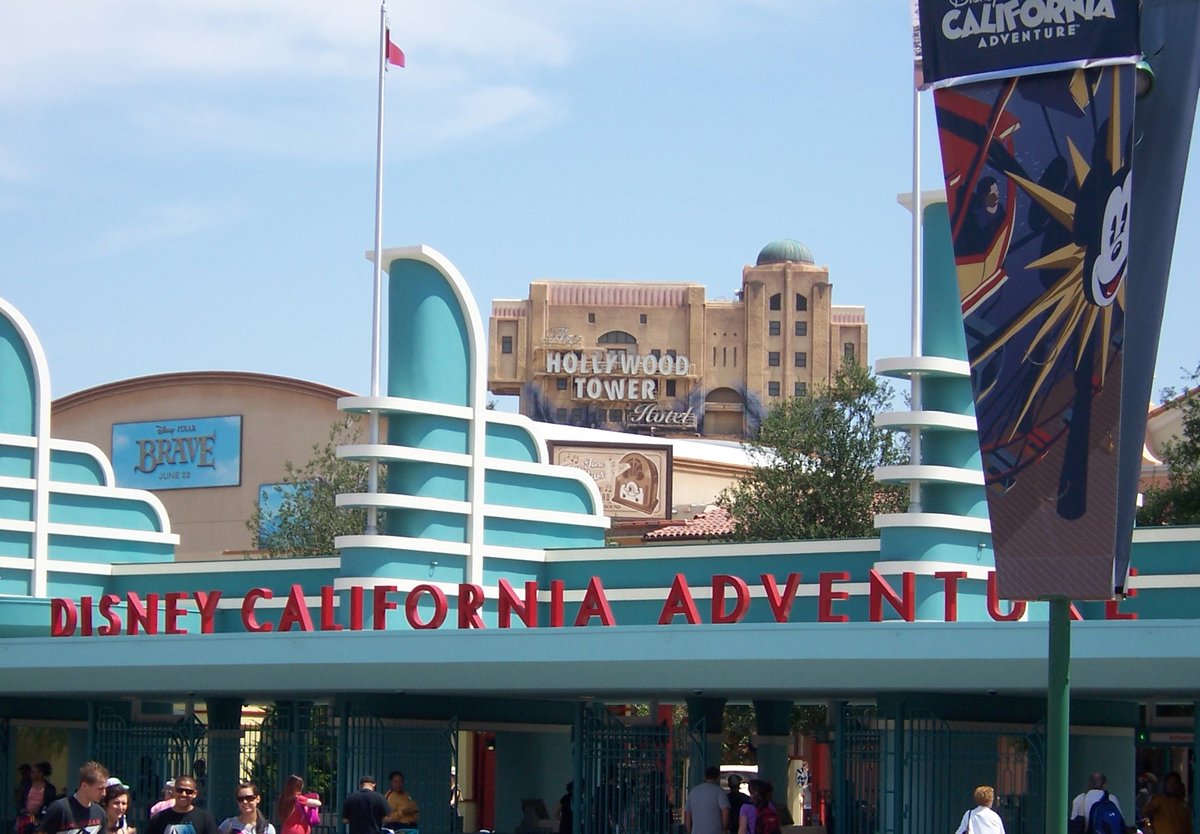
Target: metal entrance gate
{"points": [[913, 772], [145, 753], [623, 780], [426, 755], [293, 737]]}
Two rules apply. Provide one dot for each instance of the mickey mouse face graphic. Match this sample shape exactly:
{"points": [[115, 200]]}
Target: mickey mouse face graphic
{"points": [[1108, 269]]}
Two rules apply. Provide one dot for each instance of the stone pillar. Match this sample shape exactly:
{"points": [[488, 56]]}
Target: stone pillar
{"points": [[773, 724], [706, 717], [224, 755]]}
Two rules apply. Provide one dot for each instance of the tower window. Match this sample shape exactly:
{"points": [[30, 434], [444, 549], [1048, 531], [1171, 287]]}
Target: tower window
{"points": [[773, 359], [506, 344], [801, 359], [773, 328], [801, 328], [776, 301], [801, 303], [773, 389]]}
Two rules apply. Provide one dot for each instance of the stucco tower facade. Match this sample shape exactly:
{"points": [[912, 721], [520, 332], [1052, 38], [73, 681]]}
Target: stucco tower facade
{"points": [[661, 358]]}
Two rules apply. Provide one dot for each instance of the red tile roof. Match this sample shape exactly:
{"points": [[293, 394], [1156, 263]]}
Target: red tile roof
{"points": [[714, 523]]}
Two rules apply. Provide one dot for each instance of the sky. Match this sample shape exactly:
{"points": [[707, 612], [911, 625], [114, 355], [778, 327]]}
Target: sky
{"points": [[190, 185]]}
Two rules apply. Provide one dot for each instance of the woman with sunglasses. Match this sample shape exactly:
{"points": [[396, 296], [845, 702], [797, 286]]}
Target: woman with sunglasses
{"points": [[249, 819]]}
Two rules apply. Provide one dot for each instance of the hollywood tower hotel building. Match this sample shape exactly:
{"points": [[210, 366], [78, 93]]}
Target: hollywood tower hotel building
{"points": [[659, 358]]}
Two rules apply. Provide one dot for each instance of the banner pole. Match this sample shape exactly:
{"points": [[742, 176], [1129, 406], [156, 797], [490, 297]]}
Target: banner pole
{"points": [[377, 285], [1058, 717]]}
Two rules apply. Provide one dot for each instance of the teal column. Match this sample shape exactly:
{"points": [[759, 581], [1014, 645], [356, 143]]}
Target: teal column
{"points": [[837, 781], [1058, 717], [1195, 779], [341, 768], [92, 714], [898, 768], [706, 718], [224, 755], [581, 804], [773, 723]]}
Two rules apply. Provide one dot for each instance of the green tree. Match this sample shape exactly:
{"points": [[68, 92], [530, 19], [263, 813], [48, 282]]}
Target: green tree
{"points": [[307, 519], [1179, 501], [814, 461]]}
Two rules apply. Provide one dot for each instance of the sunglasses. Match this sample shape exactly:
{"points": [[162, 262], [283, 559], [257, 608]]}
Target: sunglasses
{"points": [[249, 797], [185, 791]]}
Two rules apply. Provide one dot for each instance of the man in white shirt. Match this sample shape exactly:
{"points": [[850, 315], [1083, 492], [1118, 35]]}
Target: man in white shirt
{"points": [[1082, 806]]}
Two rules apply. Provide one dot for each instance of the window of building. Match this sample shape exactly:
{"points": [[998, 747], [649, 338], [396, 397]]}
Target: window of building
{"points": [[560, 415], [657, 354], [848, 350], [591, 318], [801, 303], [735, 354], [614, 415], [776, 301], [576, 416], [801, 359], [801, 389], [561, 383], [773, 389], [714, 356], [773, 359], [772, 328], [801, 328], [506, 344], [617, 337], [642, 318], [670, 387]]}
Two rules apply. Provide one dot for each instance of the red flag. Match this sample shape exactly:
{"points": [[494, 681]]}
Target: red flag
{"points": [[395, 55]]}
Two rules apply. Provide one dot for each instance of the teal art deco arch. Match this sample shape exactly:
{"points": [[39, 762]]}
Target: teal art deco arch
{"points": [[58, 499], [464, 485]]}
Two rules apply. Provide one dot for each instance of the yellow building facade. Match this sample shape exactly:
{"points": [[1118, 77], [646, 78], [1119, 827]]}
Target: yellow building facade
{"points": [[661, 358]]}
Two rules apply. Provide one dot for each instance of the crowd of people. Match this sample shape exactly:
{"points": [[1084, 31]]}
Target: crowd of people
{"points": [[711, 810], [1096, 811], [100, 804]]}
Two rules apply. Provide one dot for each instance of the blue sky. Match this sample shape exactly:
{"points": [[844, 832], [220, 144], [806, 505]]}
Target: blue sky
{"points": [[189, 186]]}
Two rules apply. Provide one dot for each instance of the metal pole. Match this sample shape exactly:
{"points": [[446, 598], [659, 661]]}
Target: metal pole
{"points": [[377, 287], [914, 487], [1058, 717]]}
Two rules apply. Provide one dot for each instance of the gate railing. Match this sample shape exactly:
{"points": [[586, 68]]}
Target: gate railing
{"points": [[328, 748], [914, 772], [625, 783]]}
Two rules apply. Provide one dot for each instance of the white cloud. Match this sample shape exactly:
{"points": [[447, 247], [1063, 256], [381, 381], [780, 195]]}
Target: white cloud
{"points": [[160, 224]]}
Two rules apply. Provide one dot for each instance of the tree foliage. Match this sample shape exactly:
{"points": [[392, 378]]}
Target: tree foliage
{"points": [[814, 461], [307, 519], [1178, 502]]}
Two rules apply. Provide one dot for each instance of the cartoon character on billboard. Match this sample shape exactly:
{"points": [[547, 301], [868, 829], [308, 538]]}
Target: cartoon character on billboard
{"points": [[1038, 184]]}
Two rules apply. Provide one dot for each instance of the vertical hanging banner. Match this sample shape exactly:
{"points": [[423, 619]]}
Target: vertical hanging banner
{"points": [[1037, 158]]}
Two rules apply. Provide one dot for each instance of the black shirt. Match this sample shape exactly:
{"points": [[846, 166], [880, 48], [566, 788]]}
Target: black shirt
{"points": [[364, 810], [170, 821], [70, 816]]}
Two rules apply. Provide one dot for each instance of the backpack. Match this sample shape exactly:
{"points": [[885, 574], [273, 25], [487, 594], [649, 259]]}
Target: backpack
{"points": [[767, 821], [1105, 817]]}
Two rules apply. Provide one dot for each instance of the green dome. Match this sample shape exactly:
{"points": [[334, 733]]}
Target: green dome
{"points": [[782, 251]]}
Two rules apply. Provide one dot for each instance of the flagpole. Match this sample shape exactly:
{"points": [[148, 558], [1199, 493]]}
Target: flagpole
{"points": [[376, 306]]}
